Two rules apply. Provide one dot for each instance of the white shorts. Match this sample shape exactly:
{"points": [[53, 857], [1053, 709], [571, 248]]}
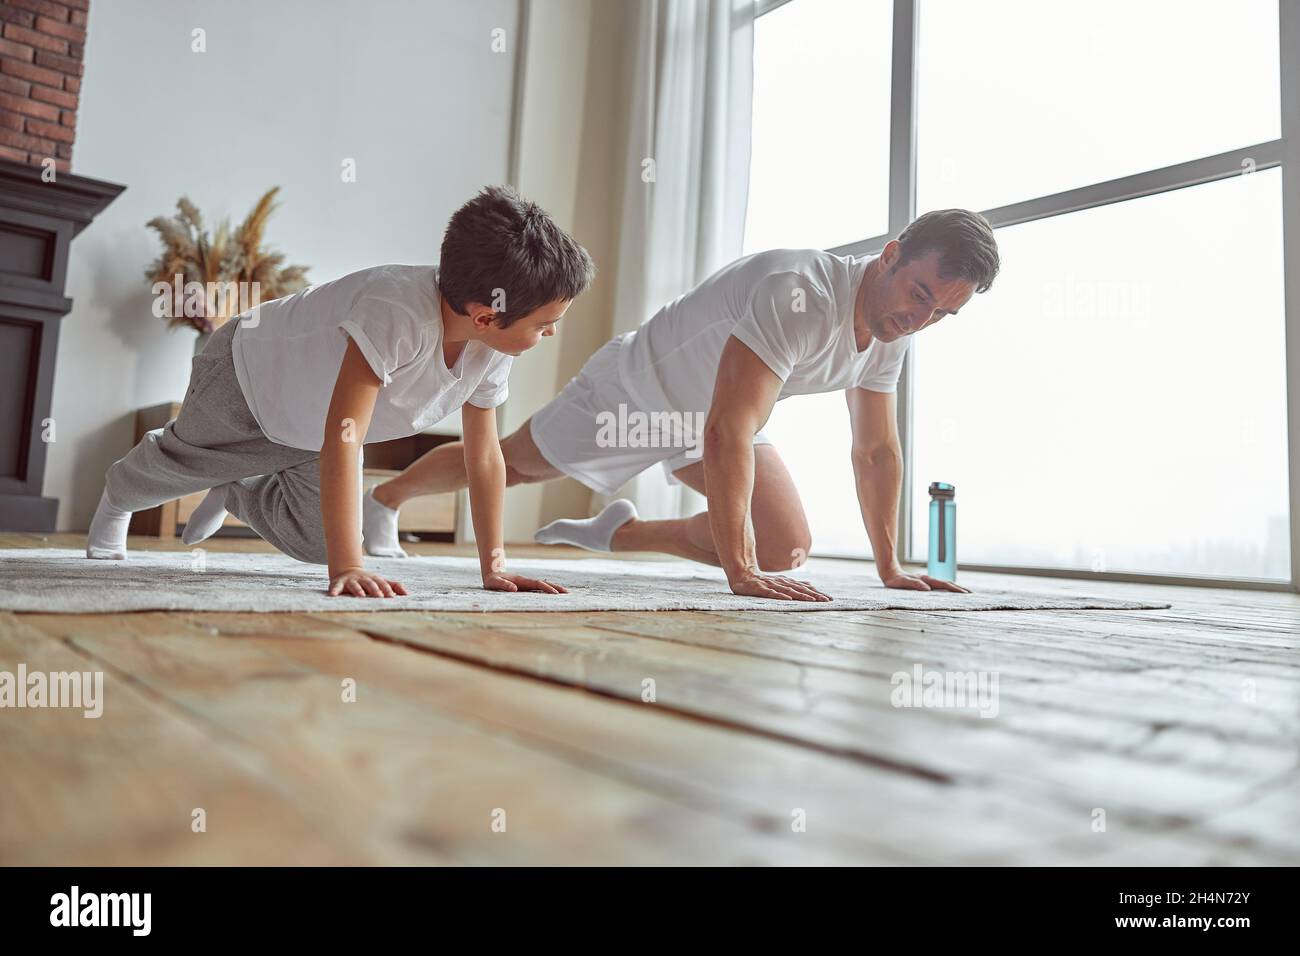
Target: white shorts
{"points": [[573, 430]]}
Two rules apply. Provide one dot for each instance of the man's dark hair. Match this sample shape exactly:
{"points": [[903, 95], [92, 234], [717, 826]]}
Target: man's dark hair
{"points": [[964, 241], [501, 250]]}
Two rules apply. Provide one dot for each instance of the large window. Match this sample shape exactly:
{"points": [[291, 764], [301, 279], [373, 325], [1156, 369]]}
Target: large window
{"points": [[1021, 98], [819, 178], [821, 96], [1117, 402]]}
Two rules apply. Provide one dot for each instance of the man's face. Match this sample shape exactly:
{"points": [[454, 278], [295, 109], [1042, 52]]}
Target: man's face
{"points": [[526, 332], [911, 297]]}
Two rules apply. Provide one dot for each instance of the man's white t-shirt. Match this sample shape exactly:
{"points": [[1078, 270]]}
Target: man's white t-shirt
{"points": [[287, 355], [792, 307]]}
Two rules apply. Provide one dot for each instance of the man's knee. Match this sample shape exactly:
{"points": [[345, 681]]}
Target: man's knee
{"points": [[525, 463], [783, 551], [516, 477]]}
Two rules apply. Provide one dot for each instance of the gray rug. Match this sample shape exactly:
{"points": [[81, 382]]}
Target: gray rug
{"points": [[63, 581]]}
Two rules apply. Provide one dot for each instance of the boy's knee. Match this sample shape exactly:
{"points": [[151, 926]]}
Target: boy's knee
{"points": [[308, 553]]}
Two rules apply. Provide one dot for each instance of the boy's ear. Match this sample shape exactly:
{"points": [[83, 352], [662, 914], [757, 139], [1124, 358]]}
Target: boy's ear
{"points": [[483, 316]]}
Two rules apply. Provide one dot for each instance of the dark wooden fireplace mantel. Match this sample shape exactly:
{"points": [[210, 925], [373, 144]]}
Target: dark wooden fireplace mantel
{"points": [[38, 221]]}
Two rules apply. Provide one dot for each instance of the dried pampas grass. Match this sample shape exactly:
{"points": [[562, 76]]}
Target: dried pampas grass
{"points": [[224, 258]]}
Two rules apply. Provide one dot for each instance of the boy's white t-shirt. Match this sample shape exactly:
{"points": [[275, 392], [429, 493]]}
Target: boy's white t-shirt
{"points": [[792, 307], [287, 355]]}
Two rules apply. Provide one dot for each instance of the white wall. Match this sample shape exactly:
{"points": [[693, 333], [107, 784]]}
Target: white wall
{"points": [[286, 90]]}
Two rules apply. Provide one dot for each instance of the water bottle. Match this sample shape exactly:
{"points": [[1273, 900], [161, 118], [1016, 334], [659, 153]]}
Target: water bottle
{"points": [[943, 532]]}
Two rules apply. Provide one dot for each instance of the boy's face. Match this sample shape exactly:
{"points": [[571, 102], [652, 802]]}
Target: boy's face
{"points": [[524, 333]]}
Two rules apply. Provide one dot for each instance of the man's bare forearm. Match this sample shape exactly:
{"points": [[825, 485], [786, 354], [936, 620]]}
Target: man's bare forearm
{"points": [[729, 479], [879, 480]]}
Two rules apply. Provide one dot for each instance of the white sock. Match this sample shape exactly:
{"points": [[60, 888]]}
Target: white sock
{"points": [[207, 517], [594, 534], [379, 528], [106, 539]]}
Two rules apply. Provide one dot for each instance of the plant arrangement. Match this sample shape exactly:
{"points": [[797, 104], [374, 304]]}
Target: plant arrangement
{"points": [[213, 262]]}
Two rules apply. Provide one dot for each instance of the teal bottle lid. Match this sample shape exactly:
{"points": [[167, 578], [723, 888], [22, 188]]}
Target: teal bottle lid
{"points": [[941, 489]]}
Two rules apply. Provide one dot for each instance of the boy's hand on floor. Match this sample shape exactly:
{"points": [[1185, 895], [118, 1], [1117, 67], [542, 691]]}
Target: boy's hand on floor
{"points": [[358, 582], [501, 581]]}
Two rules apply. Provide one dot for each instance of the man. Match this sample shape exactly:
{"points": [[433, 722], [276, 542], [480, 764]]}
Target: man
{"points": [[775, 324]]}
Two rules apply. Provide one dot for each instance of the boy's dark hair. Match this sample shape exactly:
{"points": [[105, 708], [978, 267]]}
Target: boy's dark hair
{"points": [[964, 241], [503, 251]]}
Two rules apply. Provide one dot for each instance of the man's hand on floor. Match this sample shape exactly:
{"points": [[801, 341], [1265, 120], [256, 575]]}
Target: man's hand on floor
{"points": [[921, 582], [358, 582], [776, 587]]}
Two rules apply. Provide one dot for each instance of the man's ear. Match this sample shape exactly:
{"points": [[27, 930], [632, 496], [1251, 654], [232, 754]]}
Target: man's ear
{"points": [[889, 254]]}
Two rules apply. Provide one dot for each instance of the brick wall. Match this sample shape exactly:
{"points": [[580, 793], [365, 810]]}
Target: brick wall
{"points": [[41, 47]]}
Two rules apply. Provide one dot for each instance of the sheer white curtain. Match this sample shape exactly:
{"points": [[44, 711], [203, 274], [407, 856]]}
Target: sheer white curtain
{"points": [[688, 131]]}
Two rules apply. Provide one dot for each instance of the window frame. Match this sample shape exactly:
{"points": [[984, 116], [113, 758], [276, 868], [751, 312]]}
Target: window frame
{"points": [[1283, 153]]}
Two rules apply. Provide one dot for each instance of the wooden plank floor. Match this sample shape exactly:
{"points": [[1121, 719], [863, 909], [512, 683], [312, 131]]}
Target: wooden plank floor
{"points": [[527, 738]]}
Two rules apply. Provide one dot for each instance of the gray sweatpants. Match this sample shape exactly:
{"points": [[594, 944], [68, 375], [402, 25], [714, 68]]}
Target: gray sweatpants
{"points": [[214, 440]]}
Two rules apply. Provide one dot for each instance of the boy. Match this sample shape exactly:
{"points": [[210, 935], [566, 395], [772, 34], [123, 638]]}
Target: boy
{"points": [[283, 396]]}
